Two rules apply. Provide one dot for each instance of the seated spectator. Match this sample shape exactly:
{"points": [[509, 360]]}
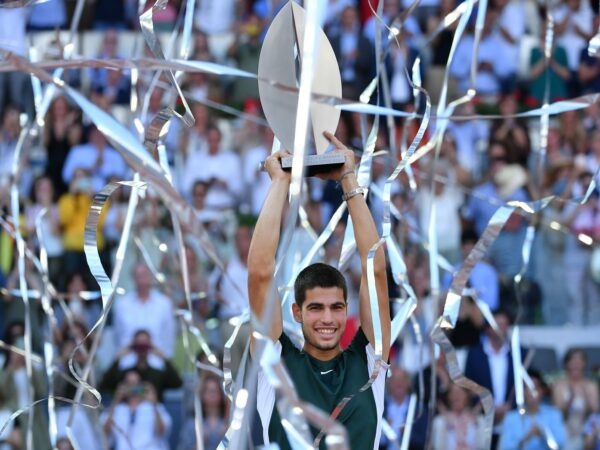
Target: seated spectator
{"points": [[447, 198], [96, 157], [396, 408], [43, 198], [575, 395], [14, 305], [591, 432], [588, 73], [506, 182], [556, 74], [491, 63], [512, 131], [541, 426], [214, 416], [62, 131], [573, 20], [10, 436], [148, 361], [221, 169], [354, 52], [73, 209], [245, 51], [20, 392], [136, 419], [490, 365], [469, 325], [483, 277], [145, 308], [231, 291], [457, 427]]}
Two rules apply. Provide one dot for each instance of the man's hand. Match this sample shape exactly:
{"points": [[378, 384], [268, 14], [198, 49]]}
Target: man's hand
{"points": [[273, 166], [348, 166]]}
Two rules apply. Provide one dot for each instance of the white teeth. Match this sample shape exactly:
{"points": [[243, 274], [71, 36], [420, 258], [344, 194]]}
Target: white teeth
{"points": [[328, 331]]}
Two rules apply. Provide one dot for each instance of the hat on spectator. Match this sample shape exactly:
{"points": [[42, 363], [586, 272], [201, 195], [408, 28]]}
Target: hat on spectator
{"points": [[510, 178]]}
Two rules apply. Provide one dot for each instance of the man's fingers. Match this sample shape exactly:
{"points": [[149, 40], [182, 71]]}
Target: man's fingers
{"points": [[335, 141]]}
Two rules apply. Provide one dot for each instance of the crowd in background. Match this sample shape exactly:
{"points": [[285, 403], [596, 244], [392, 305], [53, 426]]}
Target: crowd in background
{"points": [[147, 358]]}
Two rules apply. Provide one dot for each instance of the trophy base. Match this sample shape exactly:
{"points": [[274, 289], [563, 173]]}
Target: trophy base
{"points": [[315, 164]]}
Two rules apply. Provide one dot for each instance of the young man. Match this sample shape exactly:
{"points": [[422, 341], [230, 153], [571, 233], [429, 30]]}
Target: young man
{"points": [[322, 373]]}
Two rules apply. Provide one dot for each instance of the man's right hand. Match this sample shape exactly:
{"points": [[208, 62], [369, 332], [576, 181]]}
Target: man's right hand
{"points": [[273, 166]]}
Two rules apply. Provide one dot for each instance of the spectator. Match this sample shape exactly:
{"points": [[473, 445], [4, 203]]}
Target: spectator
{"points": [[231, 290], [457, 427], [144, 309], [582, 220], [136, 420], [490, 365], [591, 432], [491, 62], [483, 277], [506, 183], [469, 325], [576, 396], [512, 131], [47, 16], [150, 363], [21, 392], [471, 138], [15, 86], [396, 409], [588, 72], [51, 239], [215, 18], [62, 131], [73, 208], [14, 307], [446, 198], [221, 169], [9, 136], [573, 29], [214, 416], [10, 436], [556, 74], [510, 27], [245, 51], [354, 53], [257, 181], [98, 158], [538, 427]]}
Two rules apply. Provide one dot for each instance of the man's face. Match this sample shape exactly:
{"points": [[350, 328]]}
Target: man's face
{"points": [[323, 318]]}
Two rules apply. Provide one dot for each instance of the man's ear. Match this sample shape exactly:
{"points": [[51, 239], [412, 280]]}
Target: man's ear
{"points": [[297, 312]]}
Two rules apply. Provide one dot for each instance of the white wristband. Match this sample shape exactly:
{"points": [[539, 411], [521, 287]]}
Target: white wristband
{"points": [[353, 193]]}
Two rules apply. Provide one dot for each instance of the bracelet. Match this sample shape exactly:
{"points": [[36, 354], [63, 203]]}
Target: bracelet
{"points": [[345, 174], [353, 193]]}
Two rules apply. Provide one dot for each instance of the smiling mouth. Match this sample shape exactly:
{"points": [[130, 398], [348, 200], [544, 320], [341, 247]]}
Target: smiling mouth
{"points": [[326, 332]]}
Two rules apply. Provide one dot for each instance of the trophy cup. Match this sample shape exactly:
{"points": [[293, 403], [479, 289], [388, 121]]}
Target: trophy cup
{"points": [[280, 63]]}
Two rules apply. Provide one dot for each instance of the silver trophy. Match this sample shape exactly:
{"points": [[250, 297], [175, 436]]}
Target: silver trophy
{"points": [[280, 65]]}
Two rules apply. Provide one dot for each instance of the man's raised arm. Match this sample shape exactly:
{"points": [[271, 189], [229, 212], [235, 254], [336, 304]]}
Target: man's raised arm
{"points": [[366, 236], [263, 248]]}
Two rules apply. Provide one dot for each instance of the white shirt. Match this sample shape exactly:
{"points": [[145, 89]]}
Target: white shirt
{"points": [[86, 432], [234, 289], [257, 183], [215, 16], [224, 166], [512, 20], [138, 427], [84, 157], [498, 369], [12, 30], [570, 40], [447, 224], [155, 315]]}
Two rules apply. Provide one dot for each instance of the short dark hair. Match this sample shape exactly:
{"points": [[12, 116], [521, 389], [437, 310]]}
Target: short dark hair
{"points": [[318, 275]]}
